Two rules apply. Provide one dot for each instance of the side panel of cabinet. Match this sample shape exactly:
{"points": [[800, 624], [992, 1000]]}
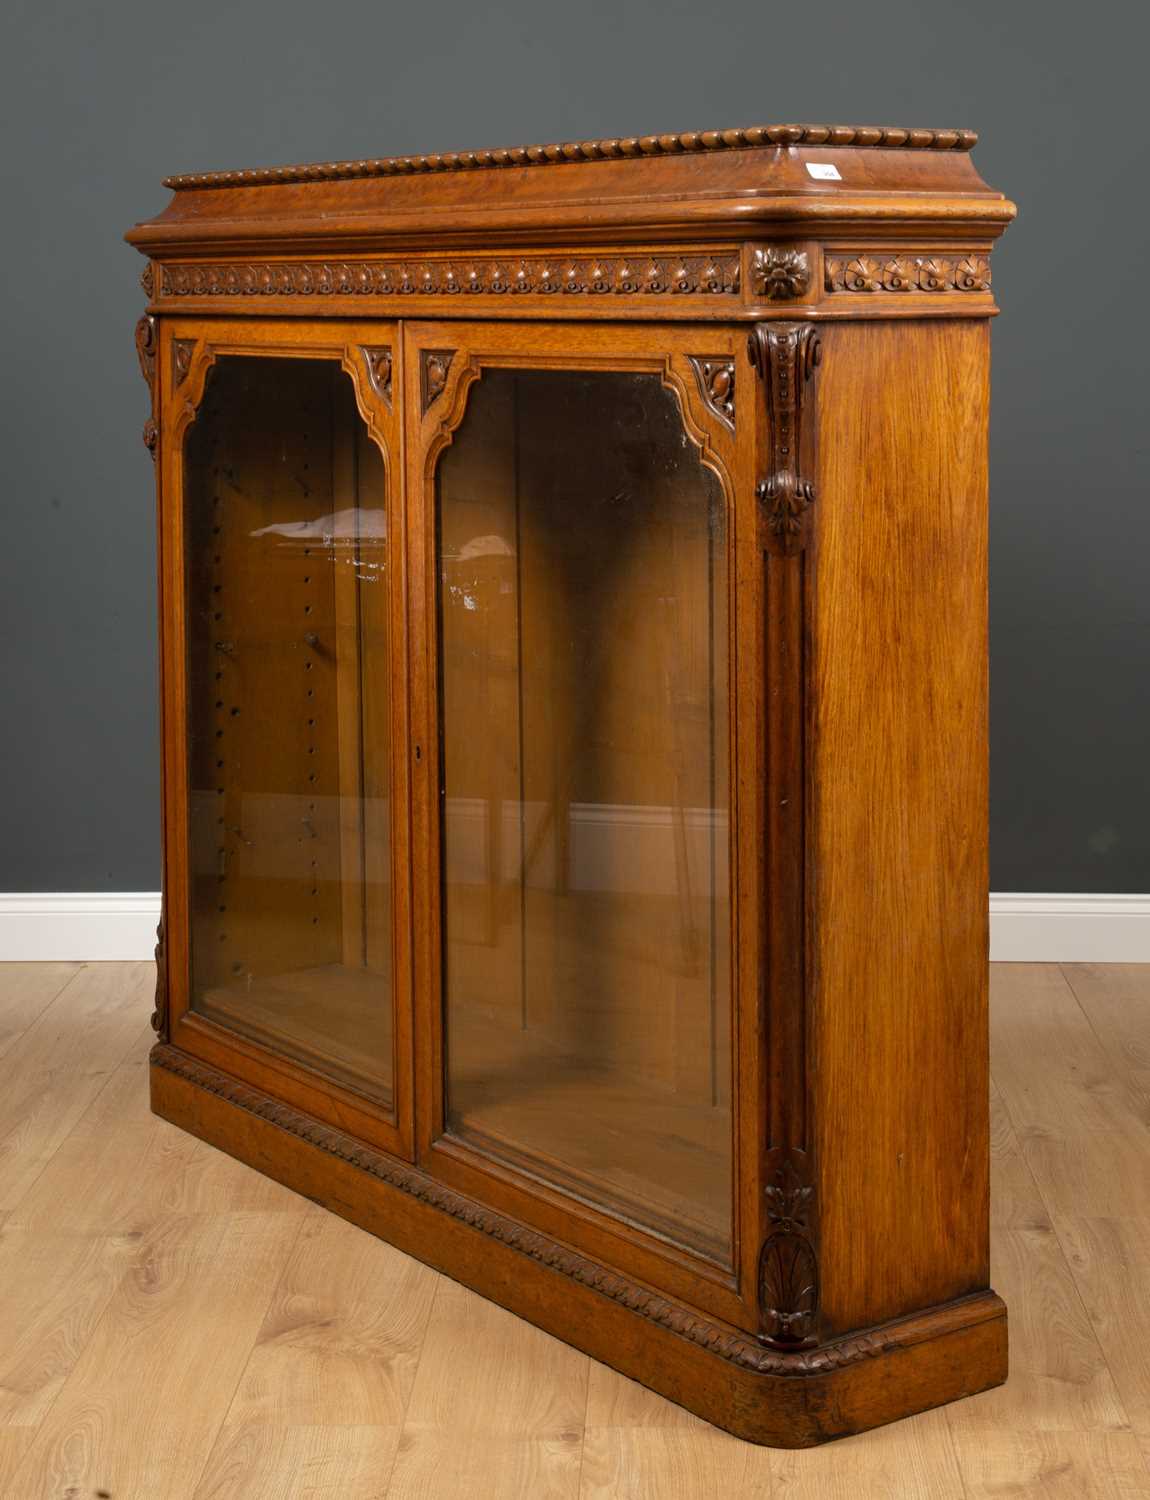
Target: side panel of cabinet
{"points": [[898, 797], [285, 717], [555, 836]]}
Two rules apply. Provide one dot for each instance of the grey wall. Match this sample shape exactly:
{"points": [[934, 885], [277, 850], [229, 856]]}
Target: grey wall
{"points": [[101, 101]]}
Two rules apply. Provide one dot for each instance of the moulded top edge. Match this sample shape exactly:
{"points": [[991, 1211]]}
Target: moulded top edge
{"points": [[884, 137]]}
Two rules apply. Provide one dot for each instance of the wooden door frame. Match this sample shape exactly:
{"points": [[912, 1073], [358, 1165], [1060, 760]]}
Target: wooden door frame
{"points": [[186, 349], [704, 365]]}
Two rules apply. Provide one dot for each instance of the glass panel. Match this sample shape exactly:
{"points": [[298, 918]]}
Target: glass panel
{"points": [[285, 519], [583, 684]]}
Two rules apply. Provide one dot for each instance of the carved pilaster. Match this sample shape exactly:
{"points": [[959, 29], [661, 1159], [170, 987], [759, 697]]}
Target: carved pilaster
{"points": [[378, 362], [784, 356], [716, 377], [160, 1013], [147, 341], [433, 374]]}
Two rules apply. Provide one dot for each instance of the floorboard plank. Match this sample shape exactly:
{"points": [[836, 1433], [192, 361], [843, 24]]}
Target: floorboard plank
{"points": [[911, 1458], [59, 1065], [26, 991], [1110, 1262], [1116, 1001], [498, 1407], [143, 1404]]}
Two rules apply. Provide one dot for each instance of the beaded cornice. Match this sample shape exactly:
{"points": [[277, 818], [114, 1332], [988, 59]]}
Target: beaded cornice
{"points": [[884, 136]]}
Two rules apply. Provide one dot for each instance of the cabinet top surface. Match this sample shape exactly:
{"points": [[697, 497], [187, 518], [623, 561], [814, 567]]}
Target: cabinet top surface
{"points": [[883, 137], [716, 186]]}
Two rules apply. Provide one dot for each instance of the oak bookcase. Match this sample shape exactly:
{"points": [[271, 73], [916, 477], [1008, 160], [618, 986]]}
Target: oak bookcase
{"points": [[572, 574]]}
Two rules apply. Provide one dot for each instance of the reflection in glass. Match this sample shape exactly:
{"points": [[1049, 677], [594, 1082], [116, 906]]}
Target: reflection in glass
{"points": [[583, 681], [286, 523]]}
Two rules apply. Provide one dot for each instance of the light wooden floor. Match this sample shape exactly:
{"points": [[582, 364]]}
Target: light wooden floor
{"points": [[175, 1327]]}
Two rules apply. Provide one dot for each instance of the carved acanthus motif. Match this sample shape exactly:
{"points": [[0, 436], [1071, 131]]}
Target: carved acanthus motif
{"points": [[716, 377], [780, 275], [147, 342], [906, 272], [182, 351], [435, 365], [648, 272], [378, 362], [160, 1013], [785, 356], [788, 1267], [147, 280]]}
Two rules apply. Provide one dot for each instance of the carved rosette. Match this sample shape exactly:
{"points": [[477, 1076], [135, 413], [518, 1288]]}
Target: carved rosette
{"points": [[147, 342], [434, 367], [906, 272], [784, 355], [378, 362], [788, 1266], [160, 1012], [646, 273], [780, 275], [716, 378]]}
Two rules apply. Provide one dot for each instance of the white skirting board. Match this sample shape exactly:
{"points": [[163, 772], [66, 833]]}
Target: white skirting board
{"points": [[88, 926], [1024, 927], [1069, 929]]}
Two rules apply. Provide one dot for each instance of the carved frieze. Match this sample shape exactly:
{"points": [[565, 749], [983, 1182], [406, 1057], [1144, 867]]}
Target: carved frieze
{"points": [[716, 377], [784, 355], [905, 271], [646, 273]]}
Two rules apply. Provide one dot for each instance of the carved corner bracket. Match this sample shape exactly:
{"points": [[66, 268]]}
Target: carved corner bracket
{"points": [[784, 355], [433, 370], [147, 343], [779, 274], [378, 361], [715, 374], [182, 351]]}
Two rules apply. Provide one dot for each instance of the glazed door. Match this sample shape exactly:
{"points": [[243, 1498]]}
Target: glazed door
{"points": [[575, 543], [285, 682]]}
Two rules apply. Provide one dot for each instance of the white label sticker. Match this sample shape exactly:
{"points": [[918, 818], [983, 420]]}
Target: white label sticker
{"points": [[824, 171]]}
